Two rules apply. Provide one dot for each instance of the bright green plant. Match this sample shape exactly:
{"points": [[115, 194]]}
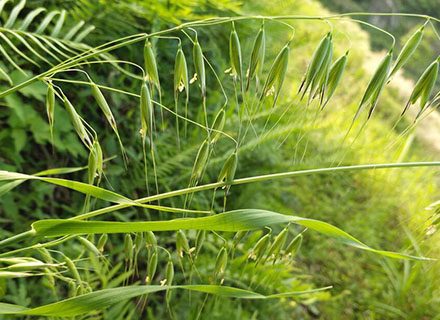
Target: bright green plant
{"points": [[245, 264]]}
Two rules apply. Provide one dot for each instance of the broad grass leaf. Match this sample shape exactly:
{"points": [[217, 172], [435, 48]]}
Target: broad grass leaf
{"points": [[101, 299], [85, 188], [238, 220]]}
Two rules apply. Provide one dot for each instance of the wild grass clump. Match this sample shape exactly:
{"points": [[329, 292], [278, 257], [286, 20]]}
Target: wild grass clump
{"points": [[173, 233]]}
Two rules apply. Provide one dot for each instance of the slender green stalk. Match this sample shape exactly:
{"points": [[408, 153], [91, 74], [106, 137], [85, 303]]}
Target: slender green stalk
{"points": [[267, 177]]}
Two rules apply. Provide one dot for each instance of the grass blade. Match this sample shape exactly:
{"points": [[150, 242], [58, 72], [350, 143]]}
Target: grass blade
{"points": [[101, 299], [238, 220]]}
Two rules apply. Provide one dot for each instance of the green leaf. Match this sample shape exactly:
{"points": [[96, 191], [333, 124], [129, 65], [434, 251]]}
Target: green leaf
{"points": [[101, 299], [85, 188], [14, 14], [234, 221], [5, 188]]}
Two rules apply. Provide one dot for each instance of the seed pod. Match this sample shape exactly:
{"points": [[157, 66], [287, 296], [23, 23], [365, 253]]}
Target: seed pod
{"points": [[200, 239], [46, 255], [335, 75], [277, 245], [294, 245], [151, 65], [128, 247], [72, 268], [227, 173], [50, 105], [257, 57], [408, 49], [217, 127], [199, 65], [315, 63], [259, 249], [169, 273], [180, 73], [151, 241], [376, 84], [181, 243], [138, 241], [276, 75], [89, 246], [235, 54], [220, 263], [423, 87], [102, 242], [77, 123], [146, 111], [201, 159], [152, 266]]}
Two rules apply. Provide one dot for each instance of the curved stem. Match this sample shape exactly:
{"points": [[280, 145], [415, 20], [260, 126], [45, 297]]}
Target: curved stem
{"points": [[267, 177], [205, 22]]}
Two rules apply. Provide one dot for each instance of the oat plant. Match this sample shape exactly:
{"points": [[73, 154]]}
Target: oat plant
{"points": [[180, 241]]}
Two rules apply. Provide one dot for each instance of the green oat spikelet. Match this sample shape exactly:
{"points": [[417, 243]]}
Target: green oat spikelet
{"points": [[277, 245], [423, 87], [334, 78], [152, 266], [315, 64], [235, 56], [199, 65], [277, 73], [152, 75], [218, 125], [50, 106], [376, 85], [220, 264], [102, 241], [77, 123], [182, 245], [257, 58], [103, 105], [408, 49], [293, 247]]}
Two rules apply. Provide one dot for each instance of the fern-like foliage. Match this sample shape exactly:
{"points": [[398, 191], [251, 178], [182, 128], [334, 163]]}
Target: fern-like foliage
{"points": [[37, 37]]}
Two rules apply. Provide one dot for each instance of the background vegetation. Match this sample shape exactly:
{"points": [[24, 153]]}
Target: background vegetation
{"points": [[386, 209]]}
